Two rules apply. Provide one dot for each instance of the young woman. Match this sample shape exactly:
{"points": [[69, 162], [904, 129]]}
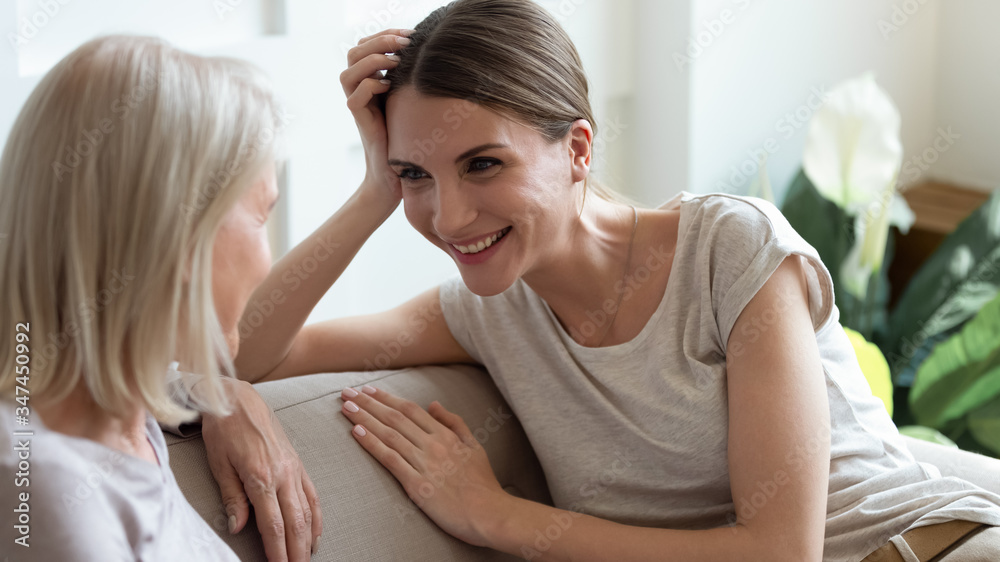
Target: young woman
{"points": [[680, 371], [134, 188]]}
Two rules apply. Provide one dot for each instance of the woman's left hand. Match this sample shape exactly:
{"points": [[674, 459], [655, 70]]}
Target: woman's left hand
{"points": [[432, 453]]}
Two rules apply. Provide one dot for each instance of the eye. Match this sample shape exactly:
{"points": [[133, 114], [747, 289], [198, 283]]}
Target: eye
{"points": [[479, 165], [412, 174]]}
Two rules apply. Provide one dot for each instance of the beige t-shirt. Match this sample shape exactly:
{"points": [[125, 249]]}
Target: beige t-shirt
{"points": [[637, 432], [89, 502]]}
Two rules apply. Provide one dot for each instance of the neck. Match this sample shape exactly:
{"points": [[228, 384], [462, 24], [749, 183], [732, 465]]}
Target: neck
{"points": [[582, 270], [78, 415]]}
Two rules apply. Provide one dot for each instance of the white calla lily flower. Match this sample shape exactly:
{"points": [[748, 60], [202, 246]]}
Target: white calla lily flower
{"points": [[852, 149], [853, 156]]}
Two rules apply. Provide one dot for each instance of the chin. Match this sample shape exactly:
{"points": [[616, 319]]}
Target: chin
{"points": [[485, 286]]}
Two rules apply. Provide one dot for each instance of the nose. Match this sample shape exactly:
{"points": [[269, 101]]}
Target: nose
{"points": [[454, 210]]}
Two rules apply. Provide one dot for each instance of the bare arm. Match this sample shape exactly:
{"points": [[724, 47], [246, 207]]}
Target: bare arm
{"points": [[289, 294], [282, 303], [779, 433], [414, 333]]}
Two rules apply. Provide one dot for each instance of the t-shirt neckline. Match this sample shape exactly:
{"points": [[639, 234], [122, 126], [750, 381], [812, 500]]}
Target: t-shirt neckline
{"points": [[625, 347]]}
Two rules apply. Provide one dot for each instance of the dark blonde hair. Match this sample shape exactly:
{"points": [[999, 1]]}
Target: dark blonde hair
{"points": [[510, 56]]}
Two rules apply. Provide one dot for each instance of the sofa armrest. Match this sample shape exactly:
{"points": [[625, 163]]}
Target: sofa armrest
{"points": [[366, 513], [980, 470]]}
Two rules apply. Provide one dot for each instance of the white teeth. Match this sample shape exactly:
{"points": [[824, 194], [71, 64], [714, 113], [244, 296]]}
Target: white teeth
{"points": [[481, 245]]}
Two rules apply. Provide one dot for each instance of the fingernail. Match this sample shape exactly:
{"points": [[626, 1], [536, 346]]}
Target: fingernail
{"points": [[368, 389], [386, 82], [360, 431], [407, 32], [232, 524], [316, 544], [393, 58], [349, 392], [403, 41], [351, 406]]}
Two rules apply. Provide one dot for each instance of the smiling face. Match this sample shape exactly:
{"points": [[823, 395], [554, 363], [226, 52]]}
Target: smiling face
{"points": [[241, 254], [495, 195]]}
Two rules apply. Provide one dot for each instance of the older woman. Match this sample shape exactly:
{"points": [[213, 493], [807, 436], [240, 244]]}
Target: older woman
{"points": [[693, 349], [134, 190]]}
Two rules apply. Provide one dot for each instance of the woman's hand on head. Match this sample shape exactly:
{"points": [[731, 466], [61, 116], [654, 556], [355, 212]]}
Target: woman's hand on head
{"points": [[363, 82], [432, 453]]}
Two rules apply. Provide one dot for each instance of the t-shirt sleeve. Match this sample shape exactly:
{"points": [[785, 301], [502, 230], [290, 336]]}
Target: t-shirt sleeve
{"points": [[456, 305], [742, 242]]}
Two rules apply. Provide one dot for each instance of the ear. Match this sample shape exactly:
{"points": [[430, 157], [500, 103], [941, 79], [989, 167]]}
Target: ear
{"points": [[581, 141]]}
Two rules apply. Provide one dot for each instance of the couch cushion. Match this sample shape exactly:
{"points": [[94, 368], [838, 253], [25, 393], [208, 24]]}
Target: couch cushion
{"points": [[366, 513]]}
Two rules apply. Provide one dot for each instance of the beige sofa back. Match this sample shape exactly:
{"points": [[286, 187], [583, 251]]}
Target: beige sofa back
{"points": [[366, 513]]}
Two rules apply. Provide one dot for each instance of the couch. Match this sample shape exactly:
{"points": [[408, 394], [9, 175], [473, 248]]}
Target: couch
{"points": [[366, 513]]}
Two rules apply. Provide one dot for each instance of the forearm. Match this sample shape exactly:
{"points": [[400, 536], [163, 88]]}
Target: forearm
{"points": [[539, 532], [288, 295]]}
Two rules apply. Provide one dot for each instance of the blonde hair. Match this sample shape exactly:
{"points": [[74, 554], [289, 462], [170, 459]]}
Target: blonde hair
{"points": [[510, 56], [114, 180]]}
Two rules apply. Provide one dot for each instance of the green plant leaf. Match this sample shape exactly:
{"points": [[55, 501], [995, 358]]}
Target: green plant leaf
{"points": [[984, 424], [830, 230], [962, 274], [962, 374]]}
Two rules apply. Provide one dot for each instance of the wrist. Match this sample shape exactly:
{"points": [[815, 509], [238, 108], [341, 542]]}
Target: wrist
{"points": [[376, 198], [497, 527]]}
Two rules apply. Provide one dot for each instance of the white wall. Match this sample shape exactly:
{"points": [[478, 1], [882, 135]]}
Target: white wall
{"points": [[968, 92], [754, 83], [663, 126]]}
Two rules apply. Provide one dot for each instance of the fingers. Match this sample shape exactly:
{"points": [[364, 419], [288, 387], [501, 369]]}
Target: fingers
{"points": [[387, 457], [453, 422], [368, 89], [233, 498], [312, 499], [297, 531], [378, 44], [269, 520], [369, 67], [410, 409], [399, 32], [391, 433]]}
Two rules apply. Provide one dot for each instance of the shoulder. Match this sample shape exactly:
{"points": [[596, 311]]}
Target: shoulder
{"points": [[66, 510], [733, 218]]}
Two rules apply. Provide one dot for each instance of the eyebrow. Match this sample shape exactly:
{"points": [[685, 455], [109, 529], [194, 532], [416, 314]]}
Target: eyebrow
{"points": [[467, 154]]}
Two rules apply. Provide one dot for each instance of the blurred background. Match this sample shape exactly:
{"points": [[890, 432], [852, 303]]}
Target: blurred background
{"points": [[689, 94]]}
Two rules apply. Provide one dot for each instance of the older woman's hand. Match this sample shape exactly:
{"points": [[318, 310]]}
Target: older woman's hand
{"points": [[432, 453], [251, 458]]}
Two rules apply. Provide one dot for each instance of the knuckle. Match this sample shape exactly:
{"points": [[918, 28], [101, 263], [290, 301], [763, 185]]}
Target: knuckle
{"points": [[395, 417], [276, 527], [300, 527], [409, 408]]}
